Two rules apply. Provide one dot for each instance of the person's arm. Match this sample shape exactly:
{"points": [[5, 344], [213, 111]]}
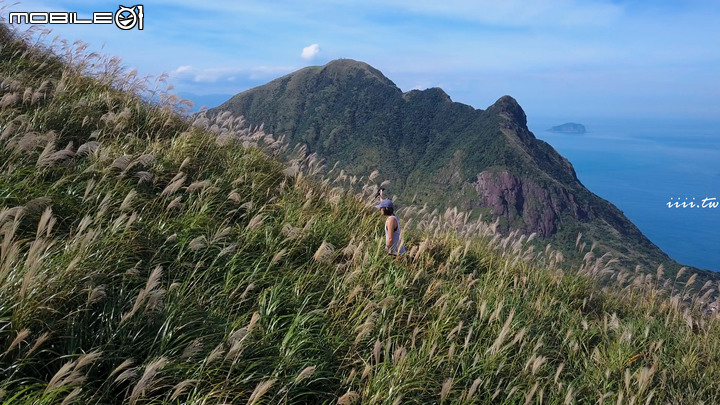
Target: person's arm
{"points": [[391, 225]]}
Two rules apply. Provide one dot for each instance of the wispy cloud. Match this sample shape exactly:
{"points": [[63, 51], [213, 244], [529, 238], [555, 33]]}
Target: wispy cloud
{"points": [[519, 13], [228, 74]]}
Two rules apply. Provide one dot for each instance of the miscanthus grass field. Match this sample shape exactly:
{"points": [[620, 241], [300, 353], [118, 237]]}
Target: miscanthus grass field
{"points": [[149, 258]]}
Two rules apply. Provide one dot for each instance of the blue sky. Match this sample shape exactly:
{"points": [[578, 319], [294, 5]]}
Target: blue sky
{"points": [[561, 58]]}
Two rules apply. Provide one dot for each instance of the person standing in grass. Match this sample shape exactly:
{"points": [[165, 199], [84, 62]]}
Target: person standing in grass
{"points": [[393, 245]]}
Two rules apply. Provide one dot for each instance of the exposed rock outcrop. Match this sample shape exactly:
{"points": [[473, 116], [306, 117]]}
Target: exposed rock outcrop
{"points": [[527, 205]]}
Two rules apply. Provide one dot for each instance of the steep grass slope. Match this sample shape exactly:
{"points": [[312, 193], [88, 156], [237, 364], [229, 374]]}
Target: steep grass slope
{"points": [[145, 259]]}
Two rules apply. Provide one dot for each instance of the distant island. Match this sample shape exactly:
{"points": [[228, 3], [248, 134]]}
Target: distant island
{"points": [[569, 128]]}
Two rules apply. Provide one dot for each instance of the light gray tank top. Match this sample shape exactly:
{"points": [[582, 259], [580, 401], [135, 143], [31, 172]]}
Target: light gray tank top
{"points": [[396, 248]]}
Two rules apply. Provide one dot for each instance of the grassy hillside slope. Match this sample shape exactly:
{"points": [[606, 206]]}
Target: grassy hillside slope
{"points": [[145, 259]]}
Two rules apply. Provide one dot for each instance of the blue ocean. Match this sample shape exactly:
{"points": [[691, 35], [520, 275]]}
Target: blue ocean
{"points": [[641, 166]]}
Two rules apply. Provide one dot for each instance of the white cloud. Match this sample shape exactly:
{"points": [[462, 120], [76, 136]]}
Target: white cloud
{"points": [[309, 52], [229, 74]]}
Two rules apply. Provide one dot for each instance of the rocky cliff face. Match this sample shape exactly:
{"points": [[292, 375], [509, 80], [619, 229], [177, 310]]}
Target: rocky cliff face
{"points": [[526, 205]]}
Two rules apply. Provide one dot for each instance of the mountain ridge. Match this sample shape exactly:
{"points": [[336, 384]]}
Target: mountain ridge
{"points": [[442, 153]]}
